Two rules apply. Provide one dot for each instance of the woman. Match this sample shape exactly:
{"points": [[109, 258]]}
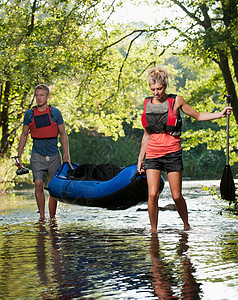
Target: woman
{"points": [[161, 143]]}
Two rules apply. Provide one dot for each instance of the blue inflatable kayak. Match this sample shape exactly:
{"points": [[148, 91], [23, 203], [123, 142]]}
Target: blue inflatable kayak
{"points": [[92, 185]]}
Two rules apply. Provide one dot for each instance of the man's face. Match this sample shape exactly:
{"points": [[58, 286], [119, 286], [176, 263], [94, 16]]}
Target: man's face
{"points": [[41, 97]]}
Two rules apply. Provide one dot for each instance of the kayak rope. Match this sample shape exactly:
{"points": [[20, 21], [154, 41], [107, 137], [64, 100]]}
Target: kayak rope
{"points": [[64, 192]]}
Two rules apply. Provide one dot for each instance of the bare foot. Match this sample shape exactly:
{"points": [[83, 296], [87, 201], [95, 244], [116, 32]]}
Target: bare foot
{"points": [[153, 231], [188, 228]]}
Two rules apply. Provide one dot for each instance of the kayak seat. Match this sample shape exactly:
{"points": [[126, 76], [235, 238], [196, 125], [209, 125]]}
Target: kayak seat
{"points": [[101, 172]]}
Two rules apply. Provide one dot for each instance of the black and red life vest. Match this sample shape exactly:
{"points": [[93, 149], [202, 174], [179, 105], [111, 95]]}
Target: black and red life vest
{"points": [[42, 126], [161, 118]]}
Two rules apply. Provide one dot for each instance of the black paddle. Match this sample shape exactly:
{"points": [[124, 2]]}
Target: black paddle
{"points": [[227, 186]]}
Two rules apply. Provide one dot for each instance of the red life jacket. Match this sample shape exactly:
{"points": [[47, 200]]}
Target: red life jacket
{"points": [[42, 126], [161, 118]]}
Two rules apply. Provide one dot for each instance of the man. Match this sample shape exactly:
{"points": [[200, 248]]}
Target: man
{"points": [[44, 123]]}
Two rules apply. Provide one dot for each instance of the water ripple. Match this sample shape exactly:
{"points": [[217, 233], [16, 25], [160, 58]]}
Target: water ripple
{"points": [[91, 253]]}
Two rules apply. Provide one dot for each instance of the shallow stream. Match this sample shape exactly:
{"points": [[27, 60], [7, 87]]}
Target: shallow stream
{"points": [[94, 253]]}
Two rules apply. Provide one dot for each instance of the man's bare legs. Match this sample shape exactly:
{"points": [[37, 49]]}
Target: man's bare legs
{"points": [[52, 203], [52, 207], [40, 197]]}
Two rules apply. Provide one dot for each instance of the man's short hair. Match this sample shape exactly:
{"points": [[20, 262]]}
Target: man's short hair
{"points": [[42, 87]]}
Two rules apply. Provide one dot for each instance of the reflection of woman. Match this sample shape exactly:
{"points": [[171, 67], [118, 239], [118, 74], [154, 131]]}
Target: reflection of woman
{"points": [[190, 288], [164, 279], [162, 145]]}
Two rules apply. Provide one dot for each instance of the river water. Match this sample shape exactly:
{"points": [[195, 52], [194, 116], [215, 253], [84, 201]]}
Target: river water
{"points": [[94, 253]]}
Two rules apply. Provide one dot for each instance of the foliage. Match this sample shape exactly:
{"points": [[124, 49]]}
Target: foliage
{"points": [[8, 177], [208, 88], [68, 46], [209, 31], [103, 98], [89, 147], [41, 41], [213, 192], [216, 195], [97, 78]]}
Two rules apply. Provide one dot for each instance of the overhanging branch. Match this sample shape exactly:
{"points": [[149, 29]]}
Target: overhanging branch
{"points": [[127, 54]]}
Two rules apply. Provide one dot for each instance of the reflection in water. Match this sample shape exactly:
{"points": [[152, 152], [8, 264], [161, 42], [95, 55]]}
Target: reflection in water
{"points": [[190, 288], [95, 263], [49, 262], [164, 277], [92, 253], [78, 263], [84, 263], [41, 253]]}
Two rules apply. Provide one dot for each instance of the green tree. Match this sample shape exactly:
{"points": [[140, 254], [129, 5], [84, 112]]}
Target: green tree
{"points": [[210, 31], [113, 90], [87, 65], [68, 46], [202, 90], [39, 42]]}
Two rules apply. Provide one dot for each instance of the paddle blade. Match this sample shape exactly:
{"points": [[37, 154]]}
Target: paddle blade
{"points": [[227, 185]]}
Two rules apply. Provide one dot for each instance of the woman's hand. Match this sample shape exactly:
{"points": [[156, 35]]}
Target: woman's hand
{"points": [[144, 141], [140, 166], [226, 111]]}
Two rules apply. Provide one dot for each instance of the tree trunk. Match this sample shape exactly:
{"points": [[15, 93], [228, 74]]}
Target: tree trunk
{"points": [[229, 9], [234, 54], [5, 120], [230, 86]]}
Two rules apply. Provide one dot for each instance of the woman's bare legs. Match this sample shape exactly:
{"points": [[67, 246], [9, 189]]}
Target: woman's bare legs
{"points": [[175, 183], [153, 180]]}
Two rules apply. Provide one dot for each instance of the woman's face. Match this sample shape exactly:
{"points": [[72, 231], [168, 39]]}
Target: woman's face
{"points": [[158, 90]]}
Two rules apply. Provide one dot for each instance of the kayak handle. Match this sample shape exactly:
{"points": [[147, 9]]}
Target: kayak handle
{"points": [[135, 176]]}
